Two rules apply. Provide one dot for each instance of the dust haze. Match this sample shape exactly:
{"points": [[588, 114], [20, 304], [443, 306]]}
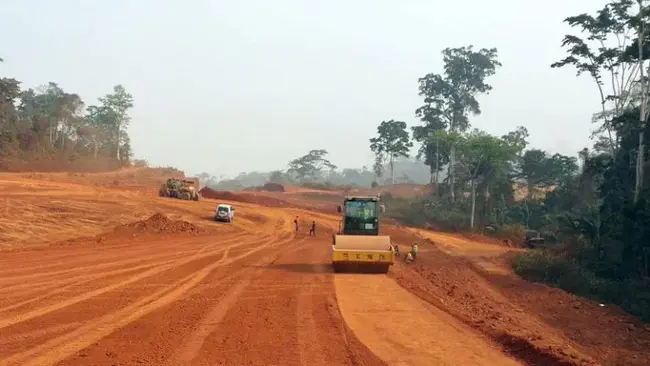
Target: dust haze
{"points": [[267, 81]]}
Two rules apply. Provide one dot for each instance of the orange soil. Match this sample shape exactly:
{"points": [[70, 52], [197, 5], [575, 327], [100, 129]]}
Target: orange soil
{"points": [[96, 269]]}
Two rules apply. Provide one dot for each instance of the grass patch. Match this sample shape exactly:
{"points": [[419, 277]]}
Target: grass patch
{"points": [[543, 266]]}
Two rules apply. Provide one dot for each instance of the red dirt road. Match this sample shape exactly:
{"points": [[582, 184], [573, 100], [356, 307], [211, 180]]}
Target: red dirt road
{"points": [[74, 291], [228, 299]]}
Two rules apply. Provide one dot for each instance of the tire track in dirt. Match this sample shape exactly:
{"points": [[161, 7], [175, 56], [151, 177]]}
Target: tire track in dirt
{"points": [[53, 280], [19, 337], [62, 347], [202, 253], [267, 327], [185, 354], [310, 346], [61, 288], [126, 257]]}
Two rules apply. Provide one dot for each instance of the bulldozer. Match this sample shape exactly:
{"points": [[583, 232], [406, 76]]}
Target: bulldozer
{"points": [[357, 246], [184, 189]]}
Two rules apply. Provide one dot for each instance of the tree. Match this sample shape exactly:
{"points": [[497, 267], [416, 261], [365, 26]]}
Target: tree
{"points": [[561, 169], [310, 165], [595, 55], [484, 157], [119, 102], [518, 138], [533, 170], [49, 122], [451, 98], [69, 115], [277, 176], [624, 61], [9, 92], [392, 141]]}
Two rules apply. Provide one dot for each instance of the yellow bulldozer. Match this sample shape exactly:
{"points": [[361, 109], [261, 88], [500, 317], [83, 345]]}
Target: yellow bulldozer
{"points": [[357, 246], [185, 189]]}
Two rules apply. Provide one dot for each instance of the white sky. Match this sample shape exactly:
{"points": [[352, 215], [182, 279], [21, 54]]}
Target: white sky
{"points": [[232, 86]]}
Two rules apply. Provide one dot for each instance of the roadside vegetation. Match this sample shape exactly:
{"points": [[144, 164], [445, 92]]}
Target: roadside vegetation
{"points": [[593, 209], [48, 128]]}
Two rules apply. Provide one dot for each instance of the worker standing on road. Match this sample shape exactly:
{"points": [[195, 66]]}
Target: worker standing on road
{"points": [[313, 228], [295, 221], [414, 250]]}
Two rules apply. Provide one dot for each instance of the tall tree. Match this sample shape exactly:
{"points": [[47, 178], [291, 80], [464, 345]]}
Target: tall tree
{"points": [[484, 157], [518, 138], [615, 42], [602, 50], [70, 115], [451, 98], [119, 102], [533, 170], [392, 141], [310, 165], [9, 92]]}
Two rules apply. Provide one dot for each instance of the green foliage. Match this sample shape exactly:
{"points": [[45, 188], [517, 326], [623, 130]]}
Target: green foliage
{"points": [[310, 165], [449, 100], [49, 121], [406, 171], [425, 213], [568, 274], [392, 141]]}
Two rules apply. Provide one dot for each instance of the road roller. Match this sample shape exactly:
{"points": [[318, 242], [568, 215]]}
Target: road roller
{"points": [[358, 247]]}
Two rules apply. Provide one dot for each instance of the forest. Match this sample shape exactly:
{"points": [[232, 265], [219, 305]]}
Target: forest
{"points": [[50, 129], [593, 207]]}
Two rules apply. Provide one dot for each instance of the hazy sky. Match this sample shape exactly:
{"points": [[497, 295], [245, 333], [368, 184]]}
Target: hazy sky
{"points": [[231, 86]]}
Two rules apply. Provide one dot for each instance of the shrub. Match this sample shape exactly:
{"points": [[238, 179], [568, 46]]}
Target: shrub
{"points": [[558, 271], [140, 163], [273, 187]]}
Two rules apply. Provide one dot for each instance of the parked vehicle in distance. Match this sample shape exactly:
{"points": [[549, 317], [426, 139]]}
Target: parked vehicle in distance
{"points": [[224, 213], [533, 239]]}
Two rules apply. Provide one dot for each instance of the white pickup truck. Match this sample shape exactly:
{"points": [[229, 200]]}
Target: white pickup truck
{"points": [[224, 213]]}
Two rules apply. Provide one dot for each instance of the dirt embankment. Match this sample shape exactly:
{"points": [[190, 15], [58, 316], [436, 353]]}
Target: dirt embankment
{"points": [[58, 163], [473, 282], [156, 225], [246, 197], [124, 178]]}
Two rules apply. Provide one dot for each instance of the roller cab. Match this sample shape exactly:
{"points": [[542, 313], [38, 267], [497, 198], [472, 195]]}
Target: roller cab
{"points": [[358, 245]]}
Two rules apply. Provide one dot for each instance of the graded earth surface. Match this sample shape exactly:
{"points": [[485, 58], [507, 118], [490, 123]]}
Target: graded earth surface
{"points": [[96, 269]]}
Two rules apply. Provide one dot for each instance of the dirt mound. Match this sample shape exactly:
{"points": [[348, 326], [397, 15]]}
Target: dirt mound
{"points": [[257, 199], [267, 187], [396, 190], [154, 225], [159, 223]]}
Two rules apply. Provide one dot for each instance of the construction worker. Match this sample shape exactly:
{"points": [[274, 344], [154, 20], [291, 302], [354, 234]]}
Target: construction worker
{"points": [[414, 250], [313, 228], [396, 250], [295, 221], [408, 258]]}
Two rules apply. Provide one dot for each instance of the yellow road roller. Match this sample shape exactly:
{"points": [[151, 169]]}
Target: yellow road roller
{"points": [[357, 246]]}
